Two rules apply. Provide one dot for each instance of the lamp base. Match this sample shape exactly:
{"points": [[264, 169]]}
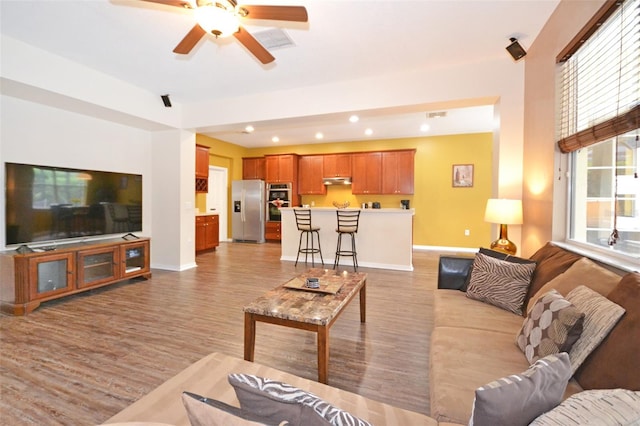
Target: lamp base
{"points": [[503, 244]]}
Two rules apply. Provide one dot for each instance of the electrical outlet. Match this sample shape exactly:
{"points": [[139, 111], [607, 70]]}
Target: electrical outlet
{"points": [[467, 233]]}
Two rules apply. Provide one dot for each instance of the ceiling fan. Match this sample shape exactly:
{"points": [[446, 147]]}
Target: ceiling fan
{"points": [[222, 19]]}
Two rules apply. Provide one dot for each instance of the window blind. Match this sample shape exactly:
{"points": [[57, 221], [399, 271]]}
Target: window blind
{"points": [[599, 84]]}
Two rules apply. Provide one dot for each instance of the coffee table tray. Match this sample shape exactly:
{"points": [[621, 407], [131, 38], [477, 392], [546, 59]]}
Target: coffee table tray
{"points": [[326, 287]]}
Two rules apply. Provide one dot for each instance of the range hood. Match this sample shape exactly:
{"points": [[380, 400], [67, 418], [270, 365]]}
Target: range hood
{"points": [[336, 181]]}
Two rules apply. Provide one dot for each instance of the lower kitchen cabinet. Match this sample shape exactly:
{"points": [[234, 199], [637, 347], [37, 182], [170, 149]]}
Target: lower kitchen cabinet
{"points": [[273, 231], [207, 232]]}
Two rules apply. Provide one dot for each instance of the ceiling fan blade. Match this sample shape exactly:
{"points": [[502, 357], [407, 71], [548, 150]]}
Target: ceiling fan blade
{"points": [[177, 3], [254, 46], [279, 13], [190, 40]]}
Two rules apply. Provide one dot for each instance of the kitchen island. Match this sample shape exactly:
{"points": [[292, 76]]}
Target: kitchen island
{"points": [[384, 239]]}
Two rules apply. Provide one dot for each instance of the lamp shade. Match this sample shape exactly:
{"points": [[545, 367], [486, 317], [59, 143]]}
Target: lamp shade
{"points": [[503, 211]]}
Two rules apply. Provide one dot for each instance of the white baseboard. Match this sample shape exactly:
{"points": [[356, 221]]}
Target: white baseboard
{"points": [[447, 249]]}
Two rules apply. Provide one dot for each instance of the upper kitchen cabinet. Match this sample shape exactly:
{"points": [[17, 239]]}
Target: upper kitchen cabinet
{"points": [[202, 168], [253, 168], [398, 172], [337, 165], [366, 173], [310, 175], [281, 168]]}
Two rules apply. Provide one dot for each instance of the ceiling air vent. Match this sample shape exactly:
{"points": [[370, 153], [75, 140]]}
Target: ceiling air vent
{"points": [[273, 38], [440, 114]]}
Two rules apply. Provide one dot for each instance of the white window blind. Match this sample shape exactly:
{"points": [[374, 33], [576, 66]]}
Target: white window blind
{"points": [[599, 84]]}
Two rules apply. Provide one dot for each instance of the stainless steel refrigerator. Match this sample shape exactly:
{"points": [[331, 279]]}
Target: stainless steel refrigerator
{"points": [[248, 212]]}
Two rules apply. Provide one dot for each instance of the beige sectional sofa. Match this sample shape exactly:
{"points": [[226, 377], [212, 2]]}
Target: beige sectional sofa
{"points": [[474, 343]]}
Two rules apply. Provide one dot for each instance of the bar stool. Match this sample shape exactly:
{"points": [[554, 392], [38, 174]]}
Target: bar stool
{"points": [[303, 222], [347, 224]]}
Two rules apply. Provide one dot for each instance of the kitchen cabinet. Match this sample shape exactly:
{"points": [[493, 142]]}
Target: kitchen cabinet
{"points": [[366, 173], [253, 168], [281, 168], [202, 168], [207, 232], [398, 172], [337, 165], [310, 175], [273, 231], [32, 278]]}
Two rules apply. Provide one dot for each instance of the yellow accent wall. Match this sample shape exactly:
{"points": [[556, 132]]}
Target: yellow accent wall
{"points": [[443, 212]]}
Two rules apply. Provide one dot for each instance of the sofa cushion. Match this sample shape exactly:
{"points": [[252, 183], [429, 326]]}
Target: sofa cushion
{"points": [[204, 411], [518, 399], [614, 363], [600, 316], [500, 283], [551, 261], [275, 402], [595, 407], [552, 326], [453, 309], [462, 360], [582, 272]]}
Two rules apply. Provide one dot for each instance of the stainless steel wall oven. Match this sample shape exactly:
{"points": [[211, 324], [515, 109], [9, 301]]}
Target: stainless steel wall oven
{"points": [[278, 195]]}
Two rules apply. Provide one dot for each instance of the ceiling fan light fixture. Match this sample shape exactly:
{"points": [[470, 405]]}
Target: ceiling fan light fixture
{"points": [[214, 18]]}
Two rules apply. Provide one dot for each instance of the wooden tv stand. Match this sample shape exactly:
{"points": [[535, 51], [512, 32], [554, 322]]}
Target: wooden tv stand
{"points": [[29, 279]]}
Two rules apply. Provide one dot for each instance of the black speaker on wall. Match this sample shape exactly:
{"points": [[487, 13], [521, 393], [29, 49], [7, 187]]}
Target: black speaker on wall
{"points": [[515, 50], [166, 100]]}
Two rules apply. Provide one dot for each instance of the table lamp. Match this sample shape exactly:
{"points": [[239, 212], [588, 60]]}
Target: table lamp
{"points": [[504, 212]]}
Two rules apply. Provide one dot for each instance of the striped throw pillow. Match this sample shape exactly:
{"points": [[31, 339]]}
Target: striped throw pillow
{"points": [[600, 316], [499, 282], [595, 407], [276, 402]]}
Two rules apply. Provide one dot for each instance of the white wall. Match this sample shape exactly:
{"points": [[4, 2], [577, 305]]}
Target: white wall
{"points": [[37, 134], [174, 170]]}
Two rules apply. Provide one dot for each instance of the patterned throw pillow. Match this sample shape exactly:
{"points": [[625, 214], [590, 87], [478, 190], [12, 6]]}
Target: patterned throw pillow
{"points": [[553, 325], [276, 402], [600, 316], [518, 399], [499, 282], [595, 407]]}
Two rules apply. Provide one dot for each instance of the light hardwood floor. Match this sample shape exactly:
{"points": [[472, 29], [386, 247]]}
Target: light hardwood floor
{"points": [[82, 359]]}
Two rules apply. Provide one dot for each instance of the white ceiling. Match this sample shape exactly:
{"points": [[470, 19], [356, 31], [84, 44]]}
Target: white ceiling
{"points": [[344, 40]]}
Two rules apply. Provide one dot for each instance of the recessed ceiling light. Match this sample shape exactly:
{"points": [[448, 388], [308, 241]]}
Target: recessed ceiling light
{"points": [[249, 128], [275, 139], [319, 135], [354, 118], [424, 128], [368, 132]]}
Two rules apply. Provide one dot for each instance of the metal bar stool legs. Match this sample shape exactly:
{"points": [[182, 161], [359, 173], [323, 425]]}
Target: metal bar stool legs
{"points": [[303, 222], [347, 225]]}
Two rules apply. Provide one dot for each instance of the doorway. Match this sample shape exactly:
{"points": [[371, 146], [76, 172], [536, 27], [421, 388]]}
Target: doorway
{"points": [[217, 197]]}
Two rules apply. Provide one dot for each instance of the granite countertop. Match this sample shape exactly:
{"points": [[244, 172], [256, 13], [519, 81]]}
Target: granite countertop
{"points": [[207, 213]]}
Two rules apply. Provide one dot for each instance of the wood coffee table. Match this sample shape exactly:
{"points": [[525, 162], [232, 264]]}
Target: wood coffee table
{"points": [[307, 309]]}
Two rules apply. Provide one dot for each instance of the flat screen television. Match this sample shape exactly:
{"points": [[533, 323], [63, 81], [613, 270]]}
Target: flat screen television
{"points": [[47, 204]]}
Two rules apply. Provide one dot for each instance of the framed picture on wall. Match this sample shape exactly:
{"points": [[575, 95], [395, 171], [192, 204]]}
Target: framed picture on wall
{"points": [[462, 175]]}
